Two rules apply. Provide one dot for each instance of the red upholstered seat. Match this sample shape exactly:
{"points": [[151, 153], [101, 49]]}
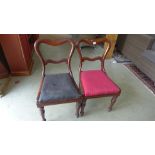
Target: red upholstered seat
{"points": [[96, 82]]}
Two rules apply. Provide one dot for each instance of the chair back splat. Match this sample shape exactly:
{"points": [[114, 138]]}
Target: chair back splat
{"points": [[54, 43], [94, 42]]}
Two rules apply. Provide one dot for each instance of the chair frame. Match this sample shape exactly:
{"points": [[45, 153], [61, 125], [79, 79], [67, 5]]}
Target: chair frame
{"points": [[102, 61], [44, 62]]}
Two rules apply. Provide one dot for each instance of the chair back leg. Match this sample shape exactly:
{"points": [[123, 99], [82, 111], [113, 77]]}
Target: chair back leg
{"points": [[83, 106], [78, 107], [113, 100]]}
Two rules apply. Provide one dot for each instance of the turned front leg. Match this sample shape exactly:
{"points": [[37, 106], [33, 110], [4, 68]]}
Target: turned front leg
{"points": [[42, 111]]}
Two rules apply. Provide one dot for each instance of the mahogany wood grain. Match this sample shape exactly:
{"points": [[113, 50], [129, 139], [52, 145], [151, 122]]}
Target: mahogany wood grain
{"points": [[3, 71], [18, 53]]}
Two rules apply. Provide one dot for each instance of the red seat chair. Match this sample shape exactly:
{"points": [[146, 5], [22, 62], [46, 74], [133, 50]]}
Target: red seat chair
{"points": [[57, 88], [96, 83]]}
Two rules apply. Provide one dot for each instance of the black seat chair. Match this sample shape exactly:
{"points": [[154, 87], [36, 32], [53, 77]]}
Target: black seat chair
{"points": [[57, 88]]}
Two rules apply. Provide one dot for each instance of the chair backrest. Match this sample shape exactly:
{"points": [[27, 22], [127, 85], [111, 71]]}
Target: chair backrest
{"points": [[54, 43], [94, 42]]}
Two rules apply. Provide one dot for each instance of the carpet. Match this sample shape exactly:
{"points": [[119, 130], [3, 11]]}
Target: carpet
{"points": [[143, 77]]}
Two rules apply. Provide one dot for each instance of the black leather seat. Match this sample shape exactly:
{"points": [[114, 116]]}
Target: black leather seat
{"points": [[58, 87]]}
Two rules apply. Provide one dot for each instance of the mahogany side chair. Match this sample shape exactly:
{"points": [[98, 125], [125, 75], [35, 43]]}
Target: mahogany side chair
{"points": [[96, 83], [57, 88]]}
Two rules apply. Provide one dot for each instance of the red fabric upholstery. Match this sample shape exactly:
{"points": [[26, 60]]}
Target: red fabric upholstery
{"points": [[96, 82]]}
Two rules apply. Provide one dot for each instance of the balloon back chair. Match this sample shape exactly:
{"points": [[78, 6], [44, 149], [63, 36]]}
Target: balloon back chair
{"points": [[56, 88], [96, 83]]}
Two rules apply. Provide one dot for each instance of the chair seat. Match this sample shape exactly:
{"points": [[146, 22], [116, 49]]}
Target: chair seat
{"points": [[96, 83], [58, 87]]}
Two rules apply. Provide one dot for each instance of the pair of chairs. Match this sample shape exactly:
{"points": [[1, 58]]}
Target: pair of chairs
{"points": [[62, 88]]}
